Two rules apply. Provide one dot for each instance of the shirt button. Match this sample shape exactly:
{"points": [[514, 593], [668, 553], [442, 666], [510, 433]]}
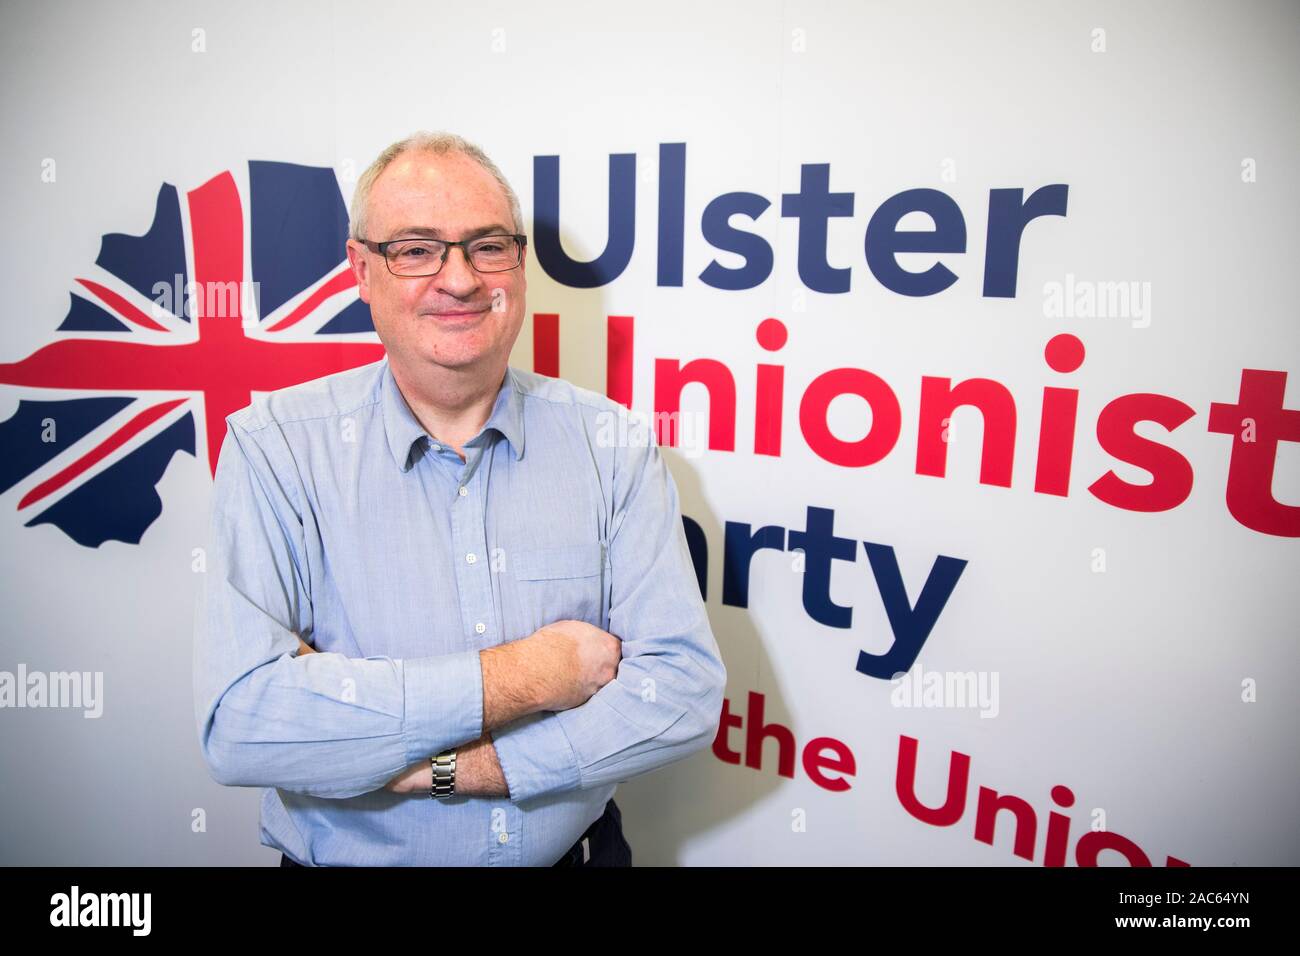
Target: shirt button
{"points": [[436, 447], [471, 558], [503, 837], [463, 491], [480, 627]]}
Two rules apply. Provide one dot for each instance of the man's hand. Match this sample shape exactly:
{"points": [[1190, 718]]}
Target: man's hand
{"points": [[305, 648], [573, 659], [556, 667], [478, 773], [417, 778]]}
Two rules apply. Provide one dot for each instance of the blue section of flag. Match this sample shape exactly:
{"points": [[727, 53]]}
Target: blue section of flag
{"points": [[355, 318], [156, 257], [85, 316], [23, 435], [299, 228], [120, 503]]}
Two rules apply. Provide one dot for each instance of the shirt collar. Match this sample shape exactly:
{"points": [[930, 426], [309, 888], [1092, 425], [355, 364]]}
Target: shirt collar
{"points": [[404, 429]]}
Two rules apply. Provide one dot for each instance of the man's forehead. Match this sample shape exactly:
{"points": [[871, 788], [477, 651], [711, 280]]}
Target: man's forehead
{"points": [[440, 194], [436, 232]]}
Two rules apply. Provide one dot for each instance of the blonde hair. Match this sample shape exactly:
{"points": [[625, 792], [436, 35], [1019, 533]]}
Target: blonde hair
{"points": [[439, 144]]}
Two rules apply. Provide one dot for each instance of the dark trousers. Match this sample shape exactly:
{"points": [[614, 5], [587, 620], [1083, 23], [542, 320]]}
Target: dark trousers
{"points": [[601, 844]]}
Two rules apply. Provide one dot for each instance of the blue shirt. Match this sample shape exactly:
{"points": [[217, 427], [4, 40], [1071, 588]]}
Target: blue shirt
{"points": [[337, 518]]}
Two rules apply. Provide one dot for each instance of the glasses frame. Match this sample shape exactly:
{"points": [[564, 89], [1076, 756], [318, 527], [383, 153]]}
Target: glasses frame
{"points": [[382, 249]]}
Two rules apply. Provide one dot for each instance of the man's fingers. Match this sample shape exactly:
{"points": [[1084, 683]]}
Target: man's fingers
{"points": [[305, 648]]}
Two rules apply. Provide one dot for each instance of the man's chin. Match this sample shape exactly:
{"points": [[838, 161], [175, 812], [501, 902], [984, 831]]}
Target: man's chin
{"points": [[464, 359]]}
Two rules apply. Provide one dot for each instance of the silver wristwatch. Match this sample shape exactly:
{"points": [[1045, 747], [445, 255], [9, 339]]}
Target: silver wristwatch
{"points": [[444, 775]]}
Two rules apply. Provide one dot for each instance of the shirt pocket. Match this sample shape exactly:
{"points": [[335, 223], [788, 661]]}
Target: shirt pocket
{"points": [[566, 561], [560, 583]]}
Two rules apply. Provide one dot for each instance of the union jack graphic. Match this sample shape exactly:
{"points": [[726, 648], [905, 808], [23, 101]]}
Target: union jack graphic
{"points": [[127, 382]]}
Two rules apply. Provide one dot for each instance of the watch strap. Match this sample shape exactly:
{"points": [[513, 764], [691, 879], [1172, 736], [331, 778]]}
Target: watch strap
{"points": [[444, 775]]}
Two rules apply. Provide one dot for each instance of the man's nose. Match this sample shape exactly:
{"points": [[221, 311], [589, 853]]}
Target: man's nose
{"points": [[457, 277]]}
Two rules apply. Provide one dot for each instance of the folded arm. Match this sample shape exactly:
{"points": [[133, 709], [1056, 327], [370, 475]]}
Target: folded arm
{"points": [[666, 699], [320, 724], [478, 771]]}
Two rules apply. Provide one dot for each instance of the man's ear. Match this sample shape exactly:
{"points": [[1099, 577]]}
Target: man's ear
{"points": [[360, 268]]}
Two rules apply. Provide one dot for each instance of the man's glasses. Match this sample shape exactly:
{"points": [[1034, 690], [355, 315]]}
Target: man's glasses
{"points": [[424, 257]]}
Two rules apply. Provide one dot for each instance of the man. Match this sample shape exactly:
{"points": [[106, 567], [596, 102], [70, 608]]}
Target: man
{"points": [[446, 612]]}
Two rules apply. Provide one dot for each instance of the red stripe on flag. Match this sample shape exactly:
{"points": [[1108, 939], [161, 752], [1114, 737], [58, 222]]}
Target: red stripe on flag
{"points": [[339, 283], [123, 308], [217, 225], [98, 453]]}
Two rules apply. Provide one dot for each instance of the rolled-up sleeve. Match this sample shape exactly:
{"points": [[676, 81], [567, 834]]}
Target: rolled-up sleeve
{"points": [[319, 724], [666, 700]]}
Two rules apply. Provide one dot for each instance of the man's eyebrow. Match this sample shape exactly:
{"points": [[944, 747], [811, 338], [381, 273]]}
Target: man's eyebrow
{"points": [[433, 232]]}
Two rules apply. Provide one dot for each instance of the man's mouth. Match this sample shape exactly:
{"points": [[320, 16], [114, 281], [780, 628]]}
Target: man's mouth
{"points": [[456, 315]]}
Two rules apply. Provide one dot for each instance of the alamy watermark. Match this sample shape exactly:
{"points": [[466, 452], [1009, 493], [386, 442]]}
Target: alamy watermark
{"points": [[62, 689], [626, 428], [958, 689], [76, 908], [1085, 299], [219, 300]]}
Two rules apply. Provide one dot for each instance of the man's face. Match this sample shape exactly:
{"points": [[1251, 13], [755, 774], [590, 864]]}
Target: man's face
{"points": [[458, 318]]}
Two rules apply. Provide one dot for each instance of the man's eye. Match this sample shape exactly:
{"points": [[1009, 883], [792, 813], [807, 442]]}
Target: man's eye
{"points": [[490, 247]]}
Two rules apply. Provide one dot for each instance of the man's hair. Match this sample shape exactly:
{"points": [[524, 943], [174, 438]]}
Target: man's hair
{"points": [[439, 144]]}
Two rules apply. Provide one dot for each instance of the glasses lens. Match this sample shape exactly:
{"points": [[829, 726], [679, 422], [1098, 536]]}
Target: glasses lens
{"points": [[494, 253], [415, 257]]}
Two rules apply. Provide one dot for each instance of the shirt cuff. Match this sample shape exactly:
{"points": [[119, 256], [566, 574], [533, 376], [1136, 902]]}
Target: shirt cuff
{"points": [[536, 757], [444, 703]]}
